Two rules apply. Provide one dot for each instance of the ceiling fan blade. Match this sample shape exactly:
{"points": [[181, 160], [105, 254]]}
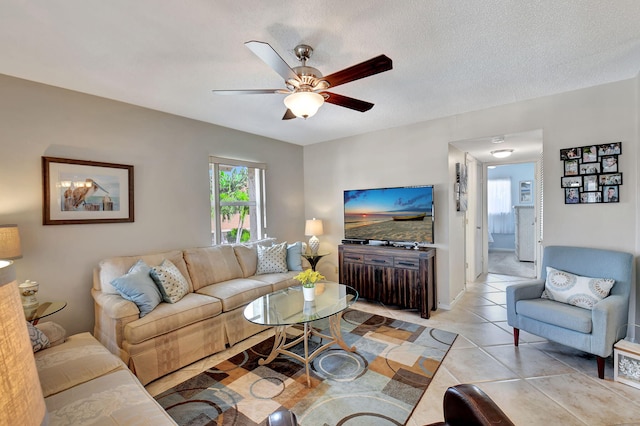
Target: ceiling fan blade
{"points": [[270, 57], [347, 102], [248, 92], [365, 69], [288, 115]]}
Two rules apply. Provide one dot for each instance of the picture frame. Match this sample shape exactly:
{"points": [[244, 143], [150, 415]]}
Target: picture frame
{"points": [[610, 179], [590, 183], [590, 197], [571, 196], [610, 194], [571, 168], [571, 181], [589, 168], [86, 192], [461, 187], [525, 192], [591, 173], [609, 164], [614, 148]]}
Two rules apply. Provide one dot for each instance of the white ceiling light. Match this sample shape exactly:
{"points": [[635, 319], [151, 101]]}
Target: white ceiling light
{"points": [[502, 153], [304, 104], [497, 139]]}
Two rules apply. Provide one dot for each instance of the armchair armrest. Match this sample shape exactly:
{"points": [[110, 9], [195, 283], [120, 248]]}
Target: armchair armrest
{"points": [[523, 291], [467, 404], [608, 317]]}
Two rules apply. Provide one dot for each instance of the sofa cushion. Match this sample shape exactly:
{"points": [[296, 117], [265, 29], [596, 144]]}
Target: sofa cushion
{"points": [[272, 259], [278, 281], [210, 265], [574, 289], [138, 287], [247, 256], [114, 399], [555, 313], [112, 268], [294, 256], [236, 293], [168, 317], [172, 285], [79, 359]]}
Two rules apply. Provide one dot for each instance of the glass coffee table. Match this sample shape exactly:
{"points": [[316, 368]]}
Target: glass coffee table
{"points": [[285, 308]]}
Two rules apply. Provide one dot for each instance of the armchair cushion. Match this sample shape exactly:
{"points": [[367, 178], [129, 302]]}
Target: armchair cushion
{"points": [[560, 314], [575, 290]]}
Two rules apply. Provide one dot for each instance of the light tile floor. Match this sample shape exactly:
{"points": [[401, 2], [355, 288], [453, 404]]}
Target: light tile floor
{"points": [[537, 383]]}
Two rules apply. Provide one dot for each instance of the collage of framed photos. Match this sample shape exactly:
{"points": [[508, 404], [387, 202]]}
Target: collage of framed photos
{"points": [[591, 174]]}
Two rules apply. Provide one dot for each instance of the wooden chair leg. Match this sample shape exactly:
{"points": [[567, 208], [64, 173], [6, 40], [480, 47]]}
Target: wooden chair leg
{"points": [[600, 361], [516, 336]]}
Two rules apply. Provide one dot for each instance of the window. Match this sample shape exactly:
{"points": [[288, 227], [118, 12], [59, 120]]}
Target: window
{"points": [[238, 212], [499, 204]]}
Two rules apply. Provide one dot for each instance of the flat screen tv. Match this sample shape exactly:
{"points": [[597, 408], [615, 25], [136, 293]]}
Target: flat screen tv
{"points": [[401, 214]]}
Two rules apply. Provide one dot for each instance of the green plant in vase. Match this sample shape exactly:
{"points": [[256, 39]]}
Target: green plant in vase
{"points": [[309, 278]]}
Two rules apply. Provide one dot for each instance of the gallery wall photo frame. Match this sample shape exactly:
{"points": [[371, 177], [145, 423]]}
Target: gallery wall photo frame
{"points": [[591, 173], [86, 192]]}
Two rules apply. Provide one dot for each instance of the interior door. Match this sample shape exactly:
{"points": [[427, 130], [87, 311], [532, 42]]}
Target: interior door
{"points": [[473, 228]]}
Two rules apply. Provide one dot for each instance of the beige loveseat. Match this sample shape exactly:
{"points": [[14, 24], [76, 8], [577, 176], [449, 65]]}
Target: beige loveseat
{"points": [[83, 383], [222, 281]]}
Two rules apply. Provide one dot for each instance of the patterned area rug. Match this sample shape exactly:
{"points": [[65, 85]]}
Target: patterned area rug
{"points": [[379, 384]]}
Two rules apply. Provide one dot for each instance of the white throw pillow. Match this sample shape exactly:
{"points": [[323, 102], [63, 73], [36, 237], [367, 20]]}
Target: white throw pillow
{"points": [[575, 290], [172, 285], [272, 259]]}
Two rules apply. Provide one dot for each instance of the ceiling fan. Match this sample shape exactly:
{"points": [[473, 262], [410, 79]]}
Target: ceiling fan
{"points": [[305, 86]]}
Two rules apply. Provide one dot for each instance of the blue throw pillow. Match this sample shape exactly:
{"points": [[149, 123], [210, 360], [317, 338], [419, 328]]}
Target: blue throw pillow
{"points": [[138, 287], [294, 256]]}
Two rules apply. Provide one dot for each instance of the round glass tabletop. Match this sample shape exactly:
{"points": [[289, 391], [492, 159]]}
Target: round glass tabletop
{"points": [[288, 307]]}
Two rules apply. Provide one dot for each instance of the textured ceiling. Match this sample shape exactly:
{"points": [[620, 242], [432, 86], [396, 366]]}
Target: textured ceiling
{"points": [[449, 57]]}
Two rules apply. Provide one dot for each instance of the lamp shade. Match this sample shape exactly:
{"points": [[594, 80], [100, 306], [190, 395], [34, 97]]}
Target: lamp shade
{"points": [[304, 104], [21, 400], [313, 227], [10, 242]]}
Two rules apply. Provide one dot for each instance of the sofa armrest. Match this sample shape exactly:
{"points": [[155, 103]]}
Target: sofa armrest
{"points": [[609, 317], [112, 313]]}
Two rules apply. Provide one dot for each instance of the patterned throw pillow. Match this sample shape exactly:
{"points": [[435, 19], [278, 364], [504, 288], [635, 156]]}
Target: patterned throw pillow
{"points": [[172, 285], [575, 290], [272, 259], [38, 339]]}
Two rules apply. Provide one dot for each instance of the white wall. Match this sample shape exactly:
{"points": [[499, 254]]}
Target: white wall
{"points": [[170, 157], [418, 154]]}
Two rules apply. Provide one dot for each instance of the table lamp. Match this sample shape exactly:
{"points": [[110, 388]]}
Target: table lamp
{"points": [[313, 227], [10, 242], [21, 400]]}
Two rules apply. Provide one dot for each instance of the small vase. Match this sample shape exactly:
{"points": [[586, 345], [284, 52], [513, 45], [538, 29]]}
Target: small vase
{"points": [[309, 293]]}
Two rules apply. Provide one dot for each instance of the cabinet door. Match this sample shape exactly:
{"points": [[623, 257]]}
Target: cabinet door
{"points": [[379, 283], [407, 278], [353, 274]]}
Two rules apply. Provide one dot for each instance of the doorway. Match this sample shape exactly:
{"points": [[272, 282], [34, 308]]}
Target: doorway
{"points": [[524, 147], [511, 220]]}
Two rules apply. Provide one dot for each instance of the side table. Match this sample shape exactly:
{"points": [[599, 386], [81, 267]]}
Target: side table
{"points": [[44, 310], [313, 259], [626, 363]]}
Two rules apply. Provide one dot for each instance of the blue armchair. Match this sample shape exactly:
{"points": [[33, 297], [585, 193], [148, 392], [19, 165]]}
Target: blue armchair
{"points": [[593, 331]]}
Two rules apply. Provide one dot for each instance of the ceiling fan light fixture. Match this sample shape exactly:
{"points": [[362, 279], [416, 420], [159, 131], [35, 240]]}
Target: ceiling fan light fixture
{"points": [[502, 153], [304, 104]]}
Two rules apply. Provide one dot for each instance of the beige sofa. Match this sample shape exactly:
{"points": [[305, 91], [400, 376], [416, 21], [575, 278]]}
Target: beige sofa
{"points": [[222, 281], [83, 383]]}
